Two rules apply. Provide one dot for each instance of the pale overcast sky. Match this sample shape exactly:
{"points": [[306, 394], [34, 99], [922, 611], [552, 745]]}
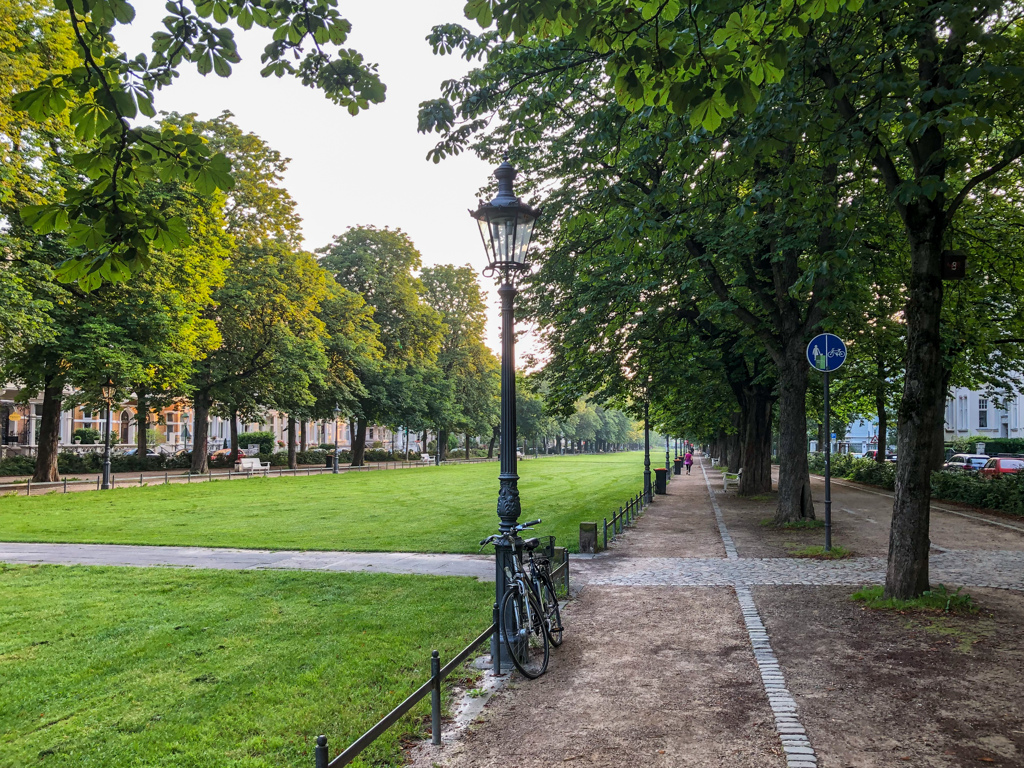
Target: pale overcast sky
{"points": [[349, 171]]}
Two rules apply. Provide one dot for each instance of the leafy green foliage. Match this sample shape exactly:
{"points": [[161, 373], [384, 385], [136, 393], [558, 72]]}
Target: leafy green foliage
{"points": [[106, 94]]}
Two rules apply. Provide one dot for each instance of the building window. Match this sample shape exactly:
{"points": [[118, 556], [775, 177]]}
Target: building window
{"points": [[371, 433], [982, 413], [950, 415], [963, 425]]}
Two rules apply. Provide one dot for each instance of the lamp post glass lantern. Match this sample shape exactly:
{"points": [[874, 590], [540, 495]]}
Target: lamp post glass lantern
{"points": [[108, 390], [506, 228]]}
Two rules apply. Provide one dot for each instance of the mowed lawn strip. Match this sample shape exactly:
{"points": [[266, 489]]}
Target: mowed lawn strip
{"points": [[111, 667], [433, 509]]}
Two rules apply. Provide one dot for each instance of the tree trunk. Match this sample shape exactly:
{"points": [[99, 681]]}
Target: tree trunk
{"points": [[732, 447], [359, 443], [494, 439], [794, 476], [293, 462], [141, 421], [757, 442], [442, 443], [883, 417], [302, 436], [47, 450], [233, 432], [923, 398], [201, 426]]}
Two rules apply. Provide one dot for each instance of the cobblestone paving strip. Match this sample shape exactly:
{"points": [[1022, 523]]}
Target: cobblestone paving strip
{"points": [[795, 744], [999, 569], [728, 543]]}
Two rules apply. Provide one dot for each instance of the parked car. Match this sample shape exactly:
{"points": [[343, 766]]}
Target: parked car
{"points": [[965, 462], [135, 451], [226, 453], [1001, 465]]}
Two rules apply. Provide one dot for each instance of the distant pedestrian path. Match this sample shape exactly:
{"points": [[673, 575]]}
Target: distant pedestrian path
{"points": [[480, 566]]}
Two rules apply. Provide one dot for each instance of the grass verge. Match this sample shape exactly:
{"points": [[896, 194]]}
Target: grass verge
{"points": [[793, 525], [938, 600], [431, 509], [819, 553], [112, 667]]}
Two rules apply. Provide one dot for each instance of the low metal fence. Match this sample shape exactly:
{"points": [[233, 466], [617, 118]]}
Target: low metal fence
{"points": [[625, 516], [432, 686]]}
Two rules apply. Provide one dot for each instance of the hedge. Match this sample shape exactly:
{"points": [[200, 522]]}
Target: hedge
{"points": [[1004, 493], [993, 445]]}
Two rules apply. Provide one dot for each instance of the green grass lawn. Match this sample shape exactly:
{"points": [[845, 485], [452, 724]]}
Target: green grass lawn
{"points": [[433, 509], [112, 667]]}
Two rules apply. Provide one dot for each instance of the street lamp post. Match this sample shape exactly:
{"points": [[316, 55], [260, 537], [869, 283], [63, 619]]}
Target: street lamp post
{"points": [[337, 415], [506, 227], [647, 454], [108, 398], [667, 449]]}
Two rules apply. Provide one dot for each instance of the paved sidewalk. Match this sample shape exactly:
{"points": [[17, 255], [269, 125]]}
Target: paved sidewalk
{"points": [[479, 566]]}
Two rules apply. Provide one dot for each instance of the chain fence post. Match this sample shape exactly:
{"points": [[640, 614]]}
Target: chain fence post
{"points": [[320, 752], [435, 698], [605, 534]]}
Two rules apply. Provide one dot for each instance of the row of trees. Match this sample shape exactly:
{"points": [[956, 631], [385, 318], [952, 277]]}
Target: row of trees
{"points": [[721, 182], [230, 312]]}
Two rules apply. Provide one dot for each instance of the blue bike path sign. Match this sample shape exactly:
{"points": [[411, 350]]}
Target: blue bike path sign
{"points": [[826, 352]]}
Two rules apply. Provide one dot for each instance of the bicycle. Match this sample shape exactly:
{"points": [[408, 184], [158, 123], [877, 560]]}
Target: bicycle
{"points": [[522, 620], [544, 589]]}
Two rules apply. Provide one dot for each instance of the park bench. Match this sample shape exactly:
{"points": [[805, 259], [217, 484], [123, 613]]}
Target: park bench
{"points": [[714, 463], [426, 458], [728, 478], [251, 464]]}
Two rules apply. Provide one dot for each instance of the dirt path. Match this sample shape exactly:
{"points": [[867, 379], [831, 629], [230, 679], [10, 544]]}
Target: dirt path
{"points": [[695, 673], [860, 522], [647, 676]]}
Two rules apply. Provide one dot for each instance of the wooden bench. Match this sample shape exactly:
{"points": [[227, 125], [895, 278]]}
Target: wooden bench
{"points": [[251, 464], [426, 458], [728, 478]]}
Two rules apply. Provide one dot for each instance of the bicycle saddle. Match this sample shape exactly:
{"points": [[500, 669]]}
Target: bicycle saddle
{"points": [[530, 544]]}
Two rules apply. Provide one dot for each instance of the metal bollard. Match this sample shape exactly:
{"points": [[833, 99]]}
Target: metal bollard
{"points": [[166, 478], [65, 485], [496, 657], [605, 534], [28, 488], [320, 752], [140, 479], [621, 525], [97, 483], [189, 476], [435, 698]]}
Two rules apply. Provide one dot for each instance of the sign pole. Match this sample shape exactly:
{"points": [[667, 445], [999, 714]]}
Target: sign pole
{"points": [[827, 352], [828, 474]]}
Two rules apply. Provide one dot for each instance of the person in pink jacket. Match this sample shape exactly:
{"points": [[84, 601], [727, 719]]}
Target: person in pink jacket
{"points": [[688, 461]]}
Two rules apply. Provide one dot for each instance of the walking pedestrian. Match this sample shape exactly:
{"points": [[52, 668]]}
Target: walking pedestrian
{"points": [[688, 461]]}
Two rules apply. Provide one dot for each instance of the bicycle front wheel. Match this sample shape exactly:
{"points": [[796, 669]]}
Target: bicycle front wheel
{"points": [[522, 627]]}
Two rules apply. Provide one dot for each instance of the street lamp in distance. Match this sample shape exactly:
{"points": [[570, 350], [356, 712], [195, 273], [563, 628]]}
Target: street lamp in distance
{"points": [[506, 228], [109, 390]]}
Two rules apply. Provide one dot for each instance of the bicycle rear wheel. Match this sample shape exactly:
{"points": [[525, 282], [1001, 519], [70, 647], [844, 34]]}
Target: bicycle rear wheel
{"points": [[522, 626], [552, 616]]}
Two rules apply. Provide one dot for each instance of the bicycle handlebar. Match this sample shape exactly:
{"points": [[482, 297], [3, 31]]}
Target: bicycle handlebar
{"points": [[517, 529]]}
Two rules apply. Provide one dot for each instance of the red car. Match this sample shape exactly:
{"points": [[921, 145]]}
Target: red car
{"points": [[1001, 465]]}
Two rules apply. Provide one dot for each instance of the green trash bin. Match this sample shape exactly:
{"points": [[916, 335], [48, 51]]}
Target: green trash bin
{"points": [[660, 480]]}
